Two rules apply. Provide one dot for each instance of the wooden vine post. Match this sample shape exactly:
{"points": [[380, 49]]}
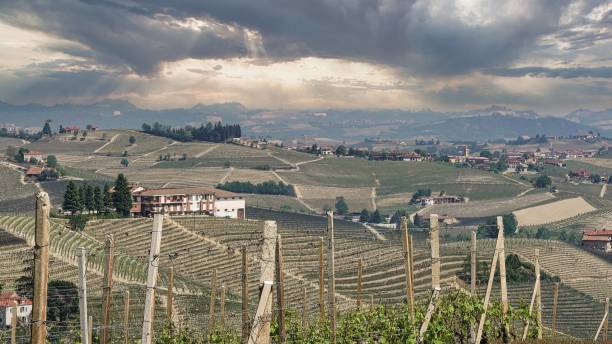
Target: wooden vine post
{"points": [[304, 306], [222, 306], [82, 257], [538, 294], [487, 298], [534, 294], [90, 328], [14, 325], [603, 326], [126, 316], [502, 276], [407, 250], [152, 269], [321, 279], [473, 260], [331, 274], [435, 274], [211, 307], [109, 258], [554, 308], [260, 331], [280, 289], [170, 303], [359, 279], [41, 269], [245, 296]]}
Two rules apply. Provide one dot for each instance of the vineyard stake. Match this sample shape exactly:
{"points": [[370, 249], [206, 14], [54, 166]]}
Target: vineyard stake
{"points": [[82, 256], [534, 294], [304, 306], [170, 295], [211, 307], [41, 269], [109, 251], [411, 275], [603, 326], [222, 306], [473, 272], [156, 233], [245, 297], [607, 313], [483, 316], [554, 310], [371, 302], [359, 279], [126, 316], [502, 276], [538, 295], [435, 251], [280, 288], [430, 309], [321, 279], [14, 325], [406, 241], [260, 331], [90, 328], [331, 274]]}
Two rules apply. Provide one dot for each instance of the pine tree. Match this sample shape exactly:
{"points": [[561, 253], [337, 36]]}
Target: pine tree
{"points": [[47, 130], [71, 198], [98, 200], [82, 196], [90, 204], [107, 203], [122, 197], [341, 206]]}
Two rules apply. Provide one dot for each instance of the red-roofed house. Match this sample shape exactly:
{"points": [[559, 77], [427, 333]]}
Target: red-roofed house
{"points": [[8, 301], [39, 156], [181, 201], [599, 241], [34, 172]]}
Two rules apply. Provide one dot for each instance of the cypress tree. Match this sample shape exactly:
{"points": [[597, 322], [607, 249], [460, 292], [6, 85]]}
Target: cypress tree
{"points": [[122, 197], [107, 199], [82, 196], [71, 198], [90, 204], [98, 199]]}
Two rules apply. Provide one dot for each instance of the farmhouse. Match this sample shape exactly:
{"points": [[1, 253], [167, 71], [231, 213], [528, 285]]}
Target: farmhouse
{"points": [[34, 172], [8, 301], [182, 201], [598, 241], [431, 200], [33, 155]]}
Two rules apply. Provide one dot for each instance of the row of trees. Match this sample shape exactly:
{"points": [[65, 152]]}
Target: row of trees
{"points": [[210, 132], [93, 199], [266, 188]]}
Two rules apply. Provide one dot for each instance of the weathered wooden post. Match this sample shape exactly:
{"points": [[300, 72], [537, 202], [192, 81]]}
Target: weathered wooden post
{"points": [[435, 251], [483, 316], [170, 295], [331, 274], [502, 275], [406, 246], [304, 306], [538, 294], [280, 288], [473, 257], [82, 256], [41, 269], [260, 331], [554, 309], [245, 297], [603, 326], [321, 279], [359, 278], [222, 306], [126, 316], [109, 251], [211, 307], [534, 295], [156, 233], [14, 325], [90, 328]]}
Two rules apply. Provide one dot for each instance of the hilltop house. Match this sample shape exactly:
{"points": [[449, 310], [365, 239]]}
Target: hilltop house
{"points": [[432, 200], [598, 241], [8, 301], [39, 156], [184, 201], [34, 172]]}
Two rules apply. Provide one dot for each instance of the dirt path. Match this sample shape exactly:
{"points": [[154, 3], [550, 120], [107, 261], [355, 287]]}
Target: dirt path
{"points": [[604, 188], [287, 162], [298, 193], [373, 198], [155, 151], [229, 173], [524, 192], [206, 151], [516, 181], [374, 232], [108, 143]]}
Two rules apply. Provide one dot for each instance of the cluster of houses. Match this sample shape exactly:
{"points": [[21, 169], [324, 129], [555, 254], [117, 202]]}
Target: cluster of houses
{"points": [[10, 303], [187, 201], [442, 199]]}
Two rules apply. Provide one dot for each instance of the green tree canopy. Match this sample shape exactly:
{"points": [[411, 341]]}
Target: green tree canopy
{"points": [[52, 161], [341, 206], [122, 197], [72, 198], [542, 181]]}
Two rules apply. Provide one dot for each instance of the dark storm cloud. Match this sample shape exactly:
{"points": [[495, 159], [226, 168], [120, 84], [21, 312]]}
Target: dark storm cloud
{"points": [[405, 34], [565, 73]]}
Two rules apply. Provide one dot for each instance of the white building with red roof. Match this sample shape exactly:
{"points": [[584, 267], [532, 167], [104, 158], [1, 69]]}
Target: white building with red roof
{"points": [[599, 241], [184, 201], [9, 301]]}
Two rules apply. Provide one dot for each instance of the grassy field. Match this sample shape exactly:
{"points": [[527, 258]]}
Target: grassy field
{"points": [[285, 203], [5, 142], [293, 157], [11, 186], [62, 144]]}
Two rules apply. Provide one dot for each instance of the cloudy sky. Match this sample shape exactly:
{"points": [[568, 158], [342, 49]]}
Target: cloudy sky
{"points": [[552, 56]]}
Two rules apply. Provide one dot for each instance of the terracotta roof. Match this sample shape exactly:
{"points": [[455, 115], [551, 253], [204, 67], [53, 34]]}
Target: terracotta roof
{"points": [[605, 232], [34, 170], [33, 153], [10, 298], [186, 191], [595, 238]]}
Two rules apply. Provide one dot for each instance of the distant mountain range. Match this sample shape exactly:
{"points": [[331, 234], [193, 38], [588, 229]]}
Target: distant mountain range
{"points": [[495, 122]]}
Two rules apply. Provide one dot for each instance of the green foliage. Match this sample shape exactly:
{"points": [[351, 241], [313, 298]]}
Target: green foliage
{"points": [[132, 140], [72, 198], [266, 188], [122, 197], [125, 162], [543, 233], [420, 193], [341, 206], [210, 132], [78, 222], [364, 216], [542, 181], [52, 161], [489, 229], [47, 129], [375, 217], [107, 199], [341, 150], [62, 308], [263, 167]]}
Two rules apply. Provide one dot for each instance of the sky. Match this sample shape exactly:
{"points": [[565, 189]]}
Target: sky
{"points": [[551, 56]]}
